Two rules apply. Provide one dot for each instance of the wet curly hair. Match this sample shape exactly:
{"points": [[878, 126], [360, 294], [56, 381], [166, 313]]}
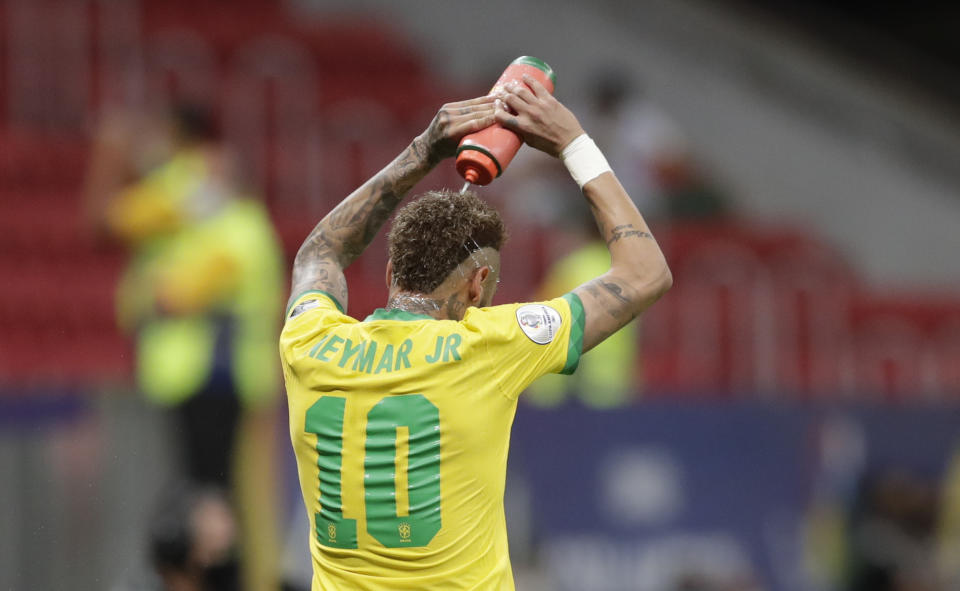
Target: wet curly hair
{"points": [[433, 234]]}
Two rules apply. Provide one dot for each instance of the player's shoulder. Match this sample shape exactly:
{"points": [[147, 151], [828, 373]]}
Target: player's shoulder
{"points": [[313, 299], [310, 314], [539, 322]]}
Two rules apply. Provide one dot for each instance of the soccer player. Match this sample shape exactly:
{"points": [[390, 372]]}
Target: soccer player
{"points": [[401, 423]]}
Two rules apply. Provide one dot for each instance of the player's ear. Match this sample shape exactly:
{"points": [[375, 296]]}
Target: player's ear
{"points": [[389, 276], [476, 284]]}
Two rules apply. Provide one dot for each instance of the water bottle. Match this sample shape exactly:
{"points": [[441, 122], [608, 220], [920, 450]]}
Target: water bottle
{"points": [[483, 155]]}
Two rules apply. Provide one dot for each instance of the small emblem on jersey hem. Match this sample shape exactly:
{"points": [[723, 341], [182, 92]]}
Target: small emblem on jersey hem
{"points": [[404, 530], [539, 322], [303, 307]]}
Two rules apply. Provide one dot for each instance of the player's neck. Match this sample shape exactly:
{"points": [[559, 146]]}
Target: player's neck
{"points": [[433, 305]]}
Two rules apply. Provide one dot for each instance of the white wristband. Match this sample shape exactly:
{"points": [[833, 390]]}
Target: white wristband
{"points": [[584, 160]]}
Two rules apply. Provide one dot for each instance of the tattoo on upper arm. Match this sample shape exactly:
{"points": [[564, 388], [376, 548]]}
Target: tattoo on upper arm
{"points": [[321, 274], [614, 289], [601, 291], [626, 231]]}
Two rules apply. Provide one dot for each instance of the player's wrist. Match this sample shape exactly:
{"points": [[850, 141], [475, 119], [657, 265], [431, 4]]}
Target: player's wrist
{"points": [[568, 137], [424, 153], [584, 160]]}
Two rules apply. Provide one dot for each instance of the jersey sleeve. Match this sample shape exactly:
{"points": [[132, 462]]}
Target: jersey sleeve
{"points": [[526, 341], [309, 315]]}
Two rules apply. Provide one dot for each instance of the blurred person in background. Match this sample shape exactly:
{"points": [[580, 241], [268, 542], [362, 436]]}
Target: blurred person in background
{"points": [[608, 375], [649, 150], [948, 525], [192, 539], [892, 535], [650, 154], [699, 582], [200, 295]]}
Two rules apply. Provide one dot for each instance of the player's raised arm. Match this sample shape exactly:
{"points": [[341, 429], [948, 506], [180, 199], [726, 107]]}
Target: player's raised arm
{"points": [[346, 231], [638, 273]]}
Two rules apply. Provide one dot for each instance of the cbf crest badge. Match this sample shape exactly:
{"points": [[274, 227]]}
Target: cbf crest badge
{"points": [[332, 532], [539, 322], [404, 530]]}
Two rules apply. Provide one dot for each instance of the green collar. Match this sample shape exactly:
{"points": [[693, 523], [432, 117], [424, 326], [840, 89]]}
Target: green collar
{"points": [[394, 314]]}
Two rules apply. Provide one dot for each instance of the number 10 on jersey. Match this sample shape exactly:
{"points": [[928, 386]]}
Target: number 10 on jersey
{"points": [[385, 423]]}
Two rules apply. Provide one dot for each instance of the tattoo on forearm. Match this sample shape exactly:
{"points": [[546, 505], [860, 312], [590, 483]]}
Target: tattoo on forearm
{"points": [[435, 139], [626, 231], [347, 230], [360, 216]]}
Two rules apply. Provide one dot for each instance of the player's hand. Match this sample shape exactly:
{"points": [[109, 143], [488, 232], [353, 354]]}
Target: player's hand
{"points": [[455, 120], [539, 118]]}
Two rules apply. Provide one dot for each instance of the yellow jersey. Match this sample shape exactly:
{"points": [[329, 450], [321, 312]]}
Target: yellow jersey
{"points": [[401, 425]]}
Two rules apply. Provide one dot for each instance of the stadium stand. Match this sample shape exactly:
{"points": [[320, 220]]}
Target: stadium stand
{"points": [[755, 309]]}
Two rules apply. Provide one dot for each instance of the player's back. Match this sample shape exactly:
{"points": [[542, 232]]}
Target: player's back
{"points": [[401, 427]]}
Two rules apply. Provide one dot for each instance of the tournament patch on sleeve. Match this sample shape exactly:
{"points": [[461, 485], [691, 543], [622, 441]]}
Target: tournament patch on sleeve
{"points": [[303, 307], [539, 322]]}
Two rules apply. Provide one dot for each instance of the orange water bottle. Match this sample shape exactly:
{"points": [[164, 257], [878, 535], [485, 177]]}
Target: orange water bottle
{"points": [[484, 155]]}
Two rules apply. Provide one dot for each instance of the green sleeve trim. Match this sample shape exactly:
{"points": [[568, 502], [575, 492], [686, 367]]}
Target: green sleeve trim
{"points": [[575, 344], [321, 292]]}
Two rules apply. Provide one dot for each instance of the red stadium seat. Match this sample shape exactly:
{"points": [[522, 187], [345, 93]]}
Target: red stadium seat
{"points": [[901, 345]]}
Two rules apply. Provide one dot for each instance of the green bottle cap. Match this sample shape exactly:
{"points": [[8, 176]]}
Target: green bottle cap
{"points": [[539, 64]]}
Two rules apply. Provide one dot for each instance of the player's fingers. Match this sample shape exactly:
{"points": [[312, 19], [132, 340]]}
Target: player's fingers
{"points": [[521, 91], [480, 100], [462, 128], [473, 112], [539, 90], [512, 89], [502, 106], [515, 102], [508, 120], [459, 122]]}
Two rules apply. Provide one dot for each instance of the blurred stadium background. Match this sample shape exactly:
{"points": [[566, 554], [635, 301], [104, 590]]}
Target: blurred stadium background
{"points": [[791, 421]]}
